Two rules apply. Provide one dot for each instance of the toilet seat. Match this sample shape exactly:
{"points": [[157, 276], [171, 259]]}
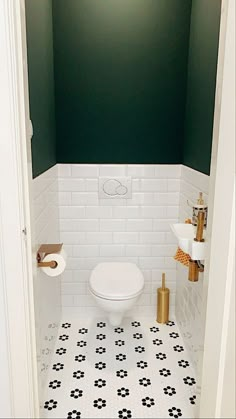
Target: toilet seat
{"points": [[116, 281]]}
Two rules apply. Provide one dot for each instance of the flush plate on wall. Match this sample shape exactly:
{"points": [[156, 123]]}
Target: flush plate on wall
{"points": [[118, 187]]}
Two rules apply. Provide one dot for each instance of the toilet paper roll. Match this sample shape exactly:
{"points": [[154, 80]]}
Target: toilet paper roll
{"points": [[60, 259]]}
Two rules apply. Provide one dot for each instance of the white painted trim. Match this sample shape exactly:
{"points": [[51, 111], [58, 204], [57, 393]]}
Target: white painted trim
{"points": [[16, 286], [218, 275]]}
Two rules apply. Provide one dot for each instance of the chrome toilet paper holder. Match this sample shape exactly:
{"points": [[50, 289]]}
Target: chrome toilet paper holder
{"points": [[47, 249]]}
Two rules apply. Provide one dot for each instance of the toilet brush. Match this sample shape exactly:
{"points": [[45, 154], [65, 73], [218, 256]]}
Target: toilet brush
{"points": [[163, 294]]}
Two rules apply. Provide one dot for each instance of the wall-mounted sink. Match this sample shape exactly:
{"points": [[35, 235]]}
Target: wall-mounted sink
{"points": [[185, 233]]}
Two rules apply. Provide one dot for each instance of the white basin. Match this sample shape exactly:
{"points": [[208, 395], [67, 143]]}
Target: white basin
{"points": [[185, 233]]}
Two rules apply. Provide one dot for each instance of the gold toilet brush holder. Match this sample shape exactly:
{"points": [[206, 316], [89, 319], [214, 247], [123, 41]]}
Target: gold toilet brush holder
{"points": [[163, 295]]}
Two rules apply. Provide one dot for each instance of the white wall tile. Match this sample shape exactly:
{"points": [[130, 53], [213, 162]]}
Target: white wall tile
{"points": [[99, 238], [71, 185], [112, 225], [136, 229], [112, 250], [79, 225], [154, 212], [89, 198], [98, 212], [64, 170], [141, 171], [69, 212], [153, 185], [91, 185], [152, 238], [126, 238], [126, 212], [139, 225], [189, 295], [84, 170], [112, 170], [138, 250], [84, 250], [168, 171]]}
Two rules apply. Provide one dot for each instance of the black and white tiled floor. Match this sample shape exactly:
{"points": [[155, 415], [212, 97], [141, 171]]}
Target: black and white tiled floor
{"points": [[138, 370]]}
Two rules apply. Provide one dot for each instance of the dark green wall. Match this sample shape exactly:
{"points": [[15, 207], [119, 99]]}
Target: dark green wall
{"points": [[41, 83], [120, 80], [203, 52]]}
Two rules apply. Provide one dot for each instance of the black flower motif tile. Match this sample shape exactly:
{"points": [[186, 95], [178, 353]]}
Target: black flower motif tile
{"points": [[157, 342], [100, 383], [148, 402], [83, 331], [119, 342], [100, 387], [80, 358], [154, 329], [192, 399], [169, 391], [142, 364], [183, 364], [170, 323], [50, 404], [123, 392], [174, 335], [78, 374], [161, 356], [76, 393], [189, 381], [66, 325], [136, 324], [165, 372], [174, 412], [101, 337], [100, 365], [137, 335], [124, 414], [120, 357], [64, 337], [178, 348], [61, 351], [74, 414], [119, 330], [81, 343], [122, 374], [58, 366], [139, 349], [100, 350], [101, 325], [99, 403], [144, 382], [54, 384]]}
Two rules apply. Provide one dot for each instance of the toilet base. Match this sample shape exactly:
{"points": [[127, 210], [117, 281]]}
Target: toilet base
{"points": [[115, 319]]}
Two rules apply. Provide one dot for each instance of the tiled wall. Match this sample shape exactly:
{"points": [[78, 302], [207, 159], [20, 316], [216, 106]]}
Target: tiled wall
{"points": [[136, 230], [189, 294], [47, 290]]}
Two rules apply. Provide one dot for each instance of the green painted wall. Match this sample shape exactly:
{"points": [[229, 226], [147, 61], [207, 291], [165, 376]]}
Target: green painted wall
{"points": [[203, 52], [41, 83], [120, 80]]}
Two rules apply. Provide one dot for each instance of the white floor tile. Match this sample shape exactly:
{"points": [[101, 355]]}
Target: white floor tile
{"points": [[140, 370]]}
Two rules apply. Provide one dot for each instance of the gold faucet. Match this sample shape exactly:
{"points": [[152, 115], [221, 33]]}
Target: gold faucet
{"points": [[195, 266]]}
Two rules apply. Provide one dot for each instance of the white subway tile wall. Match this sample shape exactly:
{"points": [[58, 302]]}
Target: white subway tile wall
{"points": [[47, 290], [97, 230], [189, 295]]}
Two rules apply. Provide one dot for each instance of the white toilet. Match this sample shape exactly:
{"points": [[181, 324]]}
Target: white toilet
{"points": [[116, 287]]}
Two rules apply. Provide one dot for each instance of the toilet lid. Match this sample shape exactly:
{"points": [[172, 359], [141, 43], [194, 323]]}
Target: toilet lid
{"points": [[116, 280]]}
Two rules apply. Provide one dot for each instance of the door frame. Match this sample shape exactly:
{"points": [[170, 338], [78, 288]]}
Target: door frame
{"points": [[18, 361], [19, 365]]}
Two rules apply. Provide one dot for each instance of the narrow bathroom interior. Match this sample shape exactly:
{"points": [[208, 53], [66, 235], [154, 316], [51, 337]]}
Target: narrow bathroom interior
{"points": [[122, 97]]}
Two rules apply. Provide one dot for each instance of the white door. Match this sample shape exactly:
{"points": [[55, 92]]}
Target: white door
{"points": [[19, 394]]}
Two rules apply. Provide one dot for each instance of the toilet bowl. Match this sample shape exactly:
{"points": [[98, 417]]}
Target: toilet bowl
{"points": [[116, 287]]}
